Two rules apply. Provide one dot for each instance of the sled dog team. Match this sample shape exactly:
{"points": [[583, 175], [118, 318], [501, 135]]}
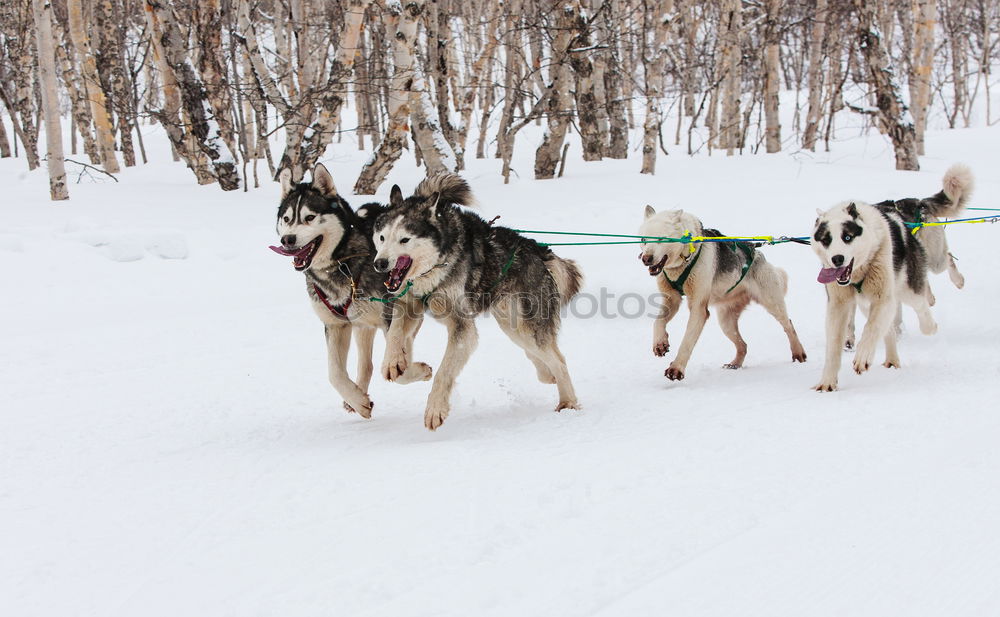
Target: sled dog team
{"points": [[386, 266]]}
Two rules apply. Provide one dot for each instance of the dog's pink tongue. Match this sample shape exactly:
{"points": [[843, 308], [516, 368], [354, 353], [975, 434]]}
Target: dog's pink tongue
{"points": [[829, 275], [282, 251]]}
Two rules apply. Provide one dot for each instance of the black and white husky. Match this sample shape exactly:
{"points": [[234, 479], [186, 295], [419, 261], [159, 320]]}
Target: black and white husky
{"points": [[332, 245], [869, 257], [454, 264], [727, 276], [949, 202]]}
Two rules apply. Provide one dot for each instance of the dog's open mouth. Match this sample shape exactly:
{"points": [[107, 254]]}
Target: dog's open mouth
{"points": [[398, 273], [842, 274], [657, 267], [301, 257]]}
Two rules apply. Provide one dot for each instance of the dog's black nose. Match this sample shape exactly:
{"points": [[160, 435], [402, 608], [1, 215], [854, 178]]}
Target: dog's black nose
{"points": [[838, 260], [288, 240], [382, 265], [646, 259]]}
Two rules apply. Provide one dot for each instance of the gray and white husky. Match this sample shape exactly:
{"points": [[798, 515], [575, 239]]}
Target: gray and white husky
{"points": [[870, 258], [726, 275], [332, 245], [454, 264], [949, 202]]}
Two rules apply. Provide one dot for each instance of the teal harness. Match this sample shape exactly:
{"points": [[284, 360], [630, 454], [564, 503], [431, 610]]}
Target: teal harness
{"points": [[748, 253]]}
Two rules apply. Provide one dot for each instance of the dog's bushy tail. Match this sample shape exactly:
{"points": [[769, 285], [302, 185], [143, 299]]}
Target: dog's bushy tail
{"points": [[567, 276], [957, 186], [452, 188]]}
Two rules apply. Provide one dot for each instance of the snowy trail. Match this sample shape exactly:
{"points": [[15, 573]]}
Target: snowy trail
{"points": [[169, 443]]}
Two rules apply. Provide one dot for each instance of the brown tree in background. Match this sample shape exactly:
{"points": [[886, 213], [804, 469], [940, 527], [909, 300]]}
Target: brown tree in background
{"points": [[42, 10]]}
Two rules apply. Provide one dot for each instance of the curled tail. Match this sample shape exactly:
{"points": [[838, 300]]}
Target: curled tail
{"points": [[567, 276], [957, 186], [452, 189]]}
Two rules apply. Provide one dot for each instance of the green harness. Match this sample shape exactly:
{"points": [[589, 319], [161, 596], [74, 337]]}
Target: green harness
{"points": [[748, 253]]}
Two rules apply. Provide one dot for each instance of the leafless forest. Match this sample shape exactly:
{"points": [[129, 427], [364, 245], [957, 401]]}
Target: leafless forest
{"points": [[446, 80]]}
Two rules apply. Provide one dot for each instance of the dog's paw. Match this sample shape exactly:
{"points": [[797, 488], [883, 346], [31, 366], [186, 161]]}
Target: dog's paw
{"points": [[861, 365], [826, 386], [674, 373], [732, 366], [957, 279], [661, 348], [393, 367], [418, 371], [362, 407], [891, 363], [849, 345], [571, 404], [799, 356], [929, 328], [434, 416]]}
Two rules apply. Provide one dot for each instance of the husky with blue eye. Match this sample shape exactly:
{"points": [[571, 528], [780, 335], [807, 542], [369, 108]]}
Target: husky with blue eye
{"points": [[871, 259]]}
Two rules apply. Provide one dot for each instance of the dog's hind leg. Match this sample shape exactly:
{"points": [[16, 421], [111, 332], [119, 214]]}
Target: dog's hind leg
{"points": [[956, 277], [462, 340], [729, 321], [849, 341], [772, 298], [338, 343], [543, 372], [545, 355]]}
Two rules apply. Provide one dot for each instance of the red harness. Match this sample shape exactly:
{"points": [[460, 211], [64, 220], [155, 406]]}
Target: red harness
{"points": [[339, 311]]}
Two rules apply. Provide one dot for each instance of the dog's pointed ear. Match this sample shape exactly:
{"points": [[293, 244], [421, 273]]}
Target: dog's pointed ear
{"points": [[323, 182], [649, 211], [285, 178], [396, 196], [852, 210]]}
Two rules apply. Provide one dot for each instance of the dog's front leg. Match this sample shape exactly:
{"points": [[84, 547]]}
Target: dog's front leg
{"points": [[363, 342], [880, 315], [840, 306], [462, 340], [696, 323], [661, 340], [395, 361], [338, 342]]}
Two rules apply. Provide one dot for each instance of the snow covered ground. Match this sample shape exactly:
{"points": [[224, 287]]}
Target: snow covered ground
{"points": [[169, 444]]}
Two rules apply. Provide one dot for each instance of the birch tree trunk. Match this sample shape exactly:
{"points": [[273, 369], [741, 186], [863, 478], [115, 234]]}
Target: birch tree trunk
{"points": [[403, 26], [924, 15], [653, 58], [892, 117], [79, 107], [4, 143], [472, 86], [816, 58], [336, 90], [203, 125], [772, 78], [95, 94], [50, 102], [614, 83], [732, 24], [587, 104], [548, 152]]}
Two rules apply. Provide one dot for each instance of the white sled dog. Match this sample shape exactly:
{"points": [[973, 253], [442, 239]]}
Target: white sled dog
{"points": [[725, 275], [870, 258]]}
